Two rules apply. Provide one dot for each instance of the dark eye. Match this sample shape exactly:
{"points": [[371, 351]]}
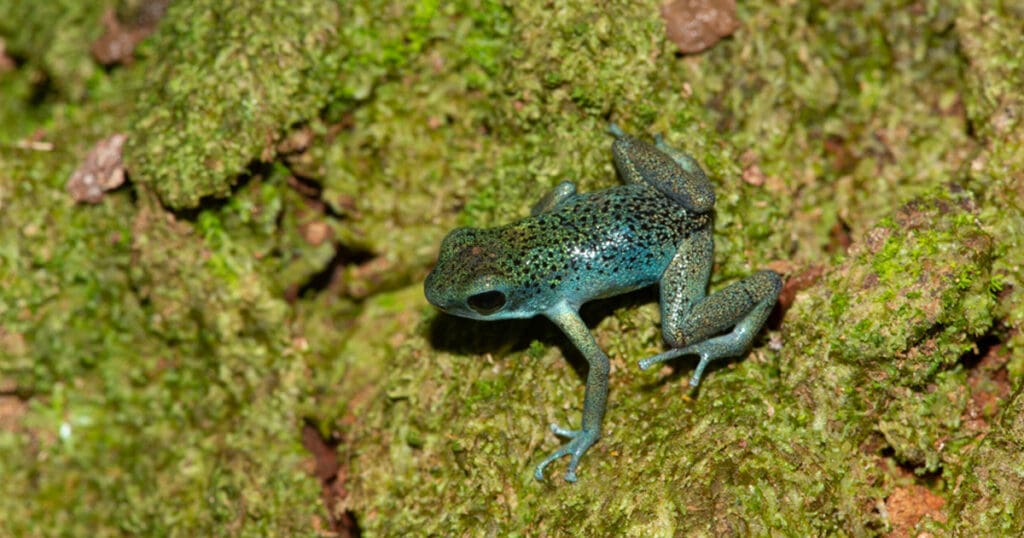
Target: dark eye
{"points": [[487, 302]]}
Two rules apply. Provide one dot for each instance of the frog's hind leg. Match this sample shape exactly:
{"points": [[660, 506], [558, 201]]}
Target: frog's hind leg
{"points": [[674, 173], [683, 159], [685, 281], [692, 323]]}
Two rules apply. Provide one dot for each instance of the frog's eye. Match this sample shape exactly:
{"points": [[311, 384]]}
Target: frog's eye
{"points": [[487, 302]]}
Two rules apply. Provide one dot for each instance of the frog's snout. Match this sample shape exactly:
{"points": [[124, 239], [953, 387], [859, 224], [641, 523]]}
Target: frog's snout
{"points": [[481, 299], [431, 291]]}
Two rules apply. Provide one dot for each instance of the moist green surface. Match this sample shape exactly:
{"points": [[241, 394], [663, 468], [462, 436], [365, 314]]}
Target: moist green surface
{"points": [[294, 165]]}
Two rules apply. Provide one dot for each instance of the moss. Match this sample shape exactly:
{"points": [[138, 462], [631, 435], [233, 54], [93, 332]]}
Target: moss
{"points": [[53, 40], [18, 88], [153, 407], [741, 436], [494, 442], [992, 499], [148, 374], [919, 424], [211, 107], [911, 283], [897, 303], [993, 103], [189, 147], [163, 377], [839, 304]]}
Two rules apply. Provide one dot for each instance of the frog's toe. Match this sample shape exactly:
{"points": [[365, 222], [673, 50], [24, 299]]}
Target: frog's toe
{"points": [[581, 441], [615, 131], [666, 356], [705, 358], [538, 473], [564, 432], [697, 349]]}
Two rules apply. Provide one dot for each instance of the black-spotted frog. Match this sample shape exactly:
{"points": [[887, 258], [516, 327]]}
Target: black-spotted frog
{"points": [[573, 248]]}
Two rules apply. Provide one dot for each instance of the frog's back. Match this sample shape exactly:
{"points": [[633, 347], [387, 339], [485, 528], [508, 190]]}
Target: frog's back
{"points": [[601, 243]]}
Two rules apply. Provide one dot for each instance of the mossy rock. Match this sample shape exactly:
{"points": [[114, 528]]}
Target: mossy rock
{"points": [[293, 166]]}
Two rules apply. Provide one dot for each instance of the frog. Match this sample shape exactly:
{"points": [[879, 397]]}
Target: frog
{"points": [[653, 229]]}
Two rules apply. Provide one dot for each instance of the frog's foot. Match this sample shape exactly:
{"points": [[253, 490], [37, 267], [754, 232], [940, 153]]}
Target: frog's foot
{"points": [[581, 440], [615, 131], [708, 350], [744, 305]]}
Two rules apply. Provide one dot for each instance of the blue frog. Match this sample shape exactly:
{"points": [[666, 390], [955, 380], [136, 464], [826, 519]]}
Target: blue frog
{"points": [[573, 248]]}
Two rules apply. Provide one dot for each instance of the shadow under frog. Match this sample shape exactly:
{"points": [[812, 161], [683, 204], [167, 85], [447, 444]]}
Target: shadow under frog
{"points": [[462, 336], [575, 248]]}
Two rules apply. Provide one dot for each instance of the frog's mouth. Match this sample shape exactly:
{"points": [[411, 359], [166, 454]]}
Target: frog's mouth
{"points": [[487, 303]]}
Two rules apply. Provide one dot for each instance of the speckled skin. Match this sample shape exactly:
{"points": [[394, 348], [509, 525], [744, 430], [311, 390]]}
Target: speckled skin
{"points": [[578, 247]]}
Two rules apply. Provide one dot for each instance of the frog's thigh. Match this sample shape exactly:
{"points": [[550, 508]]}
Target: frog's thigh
{"points": [[680, 179], [744, 304], [691, 184], [683, 159], [684, 282]]}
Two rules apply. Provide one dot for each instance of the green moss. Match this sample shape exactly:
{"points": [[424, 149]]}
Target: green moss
{"points": [[992, 102], [210, 107], [896, 304], [921, 272], [838, 305], [155, 407], [486, 390], [917, 424], [18, 120], [165, 377], [54, 38], [992, 499]]}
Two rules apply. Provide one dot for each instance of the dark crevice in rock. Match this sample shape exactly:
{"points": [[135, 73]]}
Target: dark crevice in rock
{"points": [[332, 476]]}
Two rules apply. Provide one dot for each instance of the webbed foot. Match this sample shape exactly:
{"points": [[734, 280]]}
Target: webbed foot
{"points": [[581, 440], [745, 305]]}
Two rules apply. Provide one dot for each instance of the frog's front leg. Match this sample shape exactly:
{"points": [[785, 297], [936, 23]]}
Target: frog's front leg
{"points": [[690, 320], [595, 398]]}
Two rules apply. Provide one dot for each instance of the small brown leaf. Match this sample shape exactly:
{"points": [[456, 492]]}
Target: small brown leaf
{"points": [[102, 171], [696, 25]]}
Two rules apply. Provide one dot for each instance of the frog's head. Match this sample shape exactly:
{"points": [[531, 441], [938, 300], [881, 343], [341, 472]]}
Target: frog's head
{"points": [[473, 277]]}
